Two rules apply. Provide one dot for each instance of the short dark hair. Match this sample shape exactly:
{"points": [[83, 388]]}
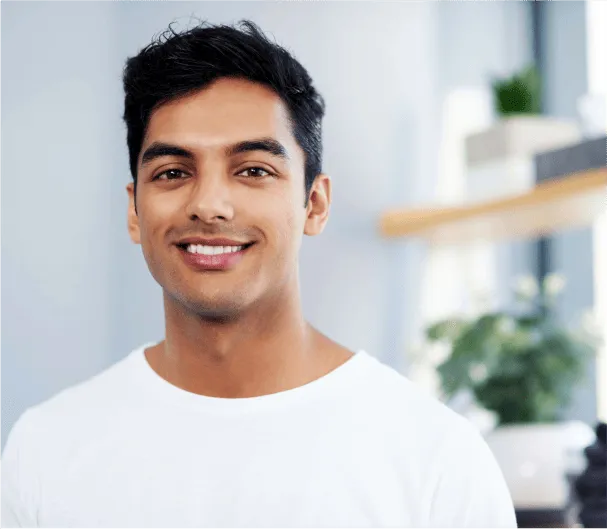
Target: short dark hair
{"points": [[176, 64]]}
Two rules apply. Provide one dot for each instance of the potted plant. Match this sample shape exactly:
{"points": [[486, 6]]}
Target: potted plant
{"points": [[500, 158], [520, 94], [523, 365]]}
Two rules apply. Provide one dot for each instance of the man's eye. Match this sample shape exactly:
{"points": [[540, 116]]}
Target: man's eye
{"points": [[171, 174], [256, 172]]}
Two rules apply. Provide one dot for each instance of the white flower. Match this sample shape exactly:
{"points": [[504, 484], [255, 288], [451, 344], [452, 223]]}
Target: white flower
{"points": [[482, 300], [438, 352], [505, 325], [590, 323], [526, 286], [553, 284], [478, 372]]}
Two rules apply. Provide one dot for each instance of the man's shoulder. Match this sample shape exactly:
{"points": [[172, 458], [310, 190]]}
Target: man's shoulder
{"points": [[393, 397], [82, 401], [425, 425], [393, 389]]}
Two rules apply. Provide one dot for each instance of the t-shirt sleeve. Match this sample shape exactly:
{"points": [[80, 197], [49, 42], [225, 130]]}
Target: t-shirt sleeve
{"points": [[20, 483], [471, 490]]}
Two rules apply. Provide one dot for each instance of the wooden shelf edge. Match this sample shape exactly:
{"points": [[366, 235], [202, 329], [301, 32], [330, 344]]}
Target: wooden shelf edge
{"points": [[570, 201]]}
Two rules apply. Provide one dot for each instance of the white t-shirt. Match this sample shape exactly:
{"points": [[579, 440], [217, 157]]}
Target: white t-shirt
{"points": [[359, 447]]}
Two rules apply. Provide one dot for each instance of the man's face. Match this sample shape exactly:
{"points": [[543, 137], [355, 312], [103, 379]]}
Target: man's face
{"points": [[209, 189]]}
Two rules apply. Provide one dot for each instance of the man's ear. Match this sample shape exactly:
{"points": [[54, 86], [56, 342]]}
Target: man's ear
{"points": [[319, 203], [132, 218]]}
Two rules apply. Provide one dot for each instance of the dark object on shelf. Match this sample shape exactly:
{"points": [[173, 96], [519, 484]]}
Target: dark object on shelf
{"points": [[555, 164], [541, 518], [591, 485]]}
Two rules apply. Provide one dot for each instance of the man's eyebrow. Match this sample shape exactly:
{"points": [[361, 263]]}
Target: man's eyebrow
{"points": [[270, 145], [158, 149]]}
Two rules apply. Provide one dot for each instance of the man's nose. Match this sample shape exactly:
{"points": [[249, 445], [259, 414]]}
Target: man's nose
{"points": [[210, 199]]}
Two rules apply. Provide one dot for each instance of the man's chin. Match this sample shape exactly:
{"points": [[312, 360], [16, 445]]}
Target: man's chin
{"points": [[213, 310]]}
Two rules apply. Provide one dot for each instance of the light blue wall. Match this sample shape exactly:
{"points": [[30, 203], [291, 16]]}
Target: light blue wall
{"points": [[60, 135]]}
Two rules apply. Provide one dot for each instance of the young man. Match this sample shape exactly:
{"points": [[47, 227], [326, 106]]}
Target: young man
{"points": [[244, 415]]}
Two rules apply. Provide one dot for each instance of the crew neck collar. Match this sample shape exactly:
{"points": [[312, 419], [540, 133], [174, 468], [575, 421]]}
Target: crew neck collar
{"points": [[326, 386]]}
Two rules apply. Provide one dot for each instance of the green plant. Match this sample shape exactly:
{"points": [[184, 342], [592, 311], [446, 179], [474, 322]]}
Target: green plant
{"points": [[519, 94], [521, 365]]}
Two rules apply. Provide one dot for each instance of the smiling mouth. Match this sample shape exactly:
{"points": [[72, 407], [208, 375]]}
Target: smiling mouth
{"points": [[212, 262], [185, 248]]}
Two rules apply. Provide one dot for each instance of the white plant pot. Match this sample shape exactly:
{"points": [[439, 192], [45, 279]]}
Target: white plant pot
{"points": [[536, 458], [520, 136], [500, 160]]}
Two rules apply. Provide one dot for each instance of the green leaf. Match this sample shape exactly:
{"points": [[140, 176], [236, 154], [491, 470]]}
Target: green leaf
{"points": [[448, 330]]}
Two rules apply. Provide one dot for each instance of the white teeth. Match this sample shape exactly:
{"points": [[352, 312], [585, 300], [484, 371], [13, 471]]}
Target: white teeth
{"points": [[212, 250]]}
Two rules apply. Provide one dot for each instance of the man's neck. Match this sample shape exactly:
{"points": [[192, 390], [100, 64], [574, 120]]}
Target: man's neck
{"points": [[262, 353]]}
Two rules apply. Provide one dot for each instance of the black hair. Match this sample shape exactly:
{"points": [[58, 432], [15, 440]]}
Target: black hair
{"points": [[176, 64]]}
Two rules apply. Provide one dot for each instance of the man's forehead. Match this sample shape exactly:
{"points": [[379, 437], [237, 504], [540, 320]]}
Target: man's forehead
{"points": [[224, 102], [223, 114]]}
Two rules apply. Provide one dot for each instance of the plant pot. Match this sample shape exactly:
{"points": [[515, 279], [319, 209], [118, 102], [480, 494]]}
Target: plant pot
{"points": [[519, 136], [536, 460], [500, 159]]}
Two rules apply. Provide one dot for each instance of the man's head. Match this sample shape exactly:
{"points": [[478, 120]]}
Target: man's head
{"points": [[224, 138]]}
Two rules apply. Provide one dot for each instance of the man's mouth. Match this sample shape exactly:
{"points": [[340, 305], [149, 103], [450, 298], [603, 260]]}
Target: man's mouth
{"points": [[201, 249], [203, 258]]}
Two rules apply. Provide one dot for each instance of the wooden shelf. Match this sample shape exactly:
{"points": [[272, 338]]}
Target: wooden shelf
{"points": [[569, 202]]}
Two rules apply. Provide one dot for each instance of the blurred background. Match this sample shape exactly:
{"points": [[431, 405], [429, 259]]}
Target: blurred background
{"points": [[466, 143]]}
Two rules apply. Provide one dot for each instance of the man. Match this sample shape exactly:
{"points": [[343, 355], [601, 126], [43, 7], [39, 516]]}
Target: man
{"points": [[245, 415]]}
